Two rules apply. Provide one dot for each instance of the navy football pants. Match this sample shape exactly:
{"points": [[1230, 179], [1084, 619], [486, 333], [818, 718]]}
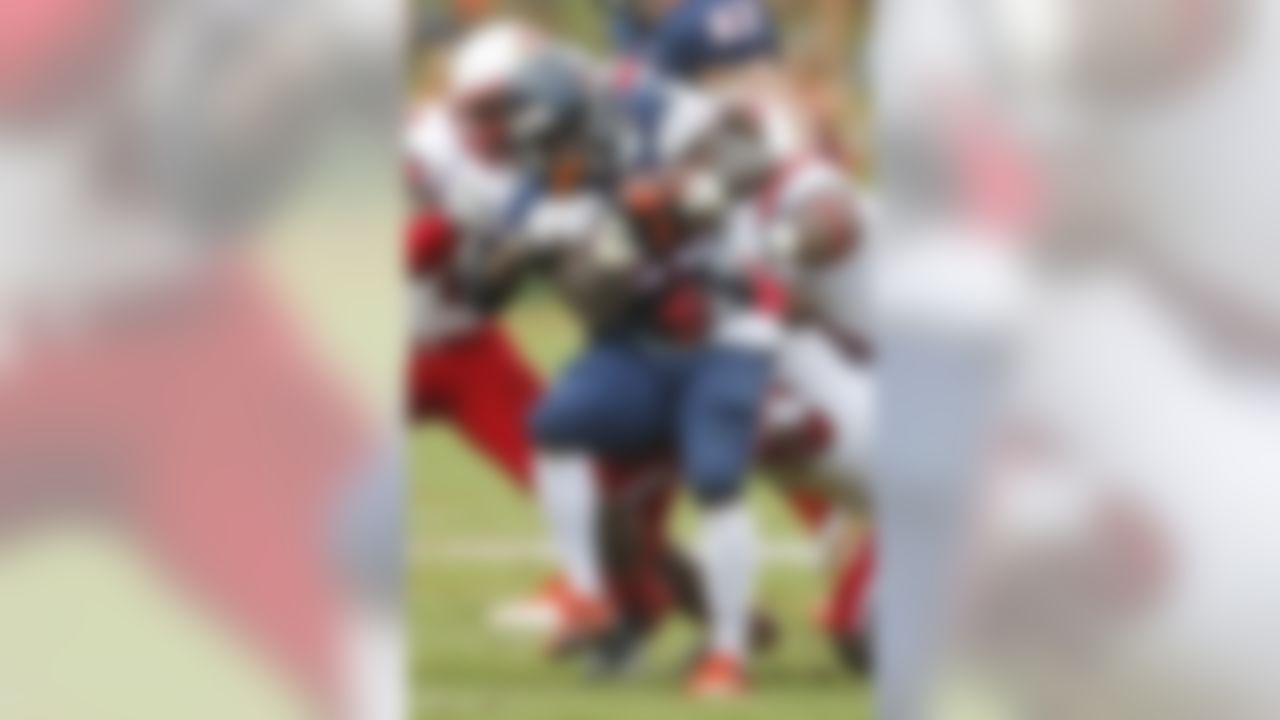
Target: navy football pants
{"points": [[623, 399]]}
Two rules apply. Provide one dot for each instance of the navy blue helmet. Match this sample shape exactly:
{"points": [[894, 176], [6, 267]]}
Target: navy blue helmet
{"points": [[563, 111], [692, 37]]}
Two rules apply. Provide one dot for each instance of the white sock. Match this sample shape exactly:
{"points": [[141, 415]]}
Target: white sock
{"points": [[727, 551], [567, 491]]}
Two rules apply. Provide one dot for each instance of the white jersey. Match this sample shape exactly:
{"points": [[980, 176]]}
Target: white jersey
{"points": [[840, 290], [474, 193], [815, 365]]}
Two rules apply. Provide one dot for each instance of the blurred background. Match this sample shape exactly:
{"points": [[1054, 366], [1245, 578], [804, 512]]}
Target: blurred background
{"points": [[200, 323]]}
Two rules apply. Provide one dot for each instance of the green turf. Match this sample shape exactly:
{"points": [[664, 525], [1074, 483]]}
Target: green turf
{"points": [[462, 670]]}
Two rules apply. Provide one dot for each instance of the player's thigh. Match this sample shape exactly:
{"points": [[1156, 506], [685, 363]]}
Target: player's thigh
{"points": [[494, 394], [719, 418], [496, 361], [612, 400], [428, 384], [496, 423]]}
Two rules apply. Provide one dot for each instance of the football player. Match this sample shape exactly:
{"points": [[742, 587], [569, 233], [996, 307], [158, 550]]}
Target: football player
{"points": [[464, 366], [682, 334], [812, 227]]}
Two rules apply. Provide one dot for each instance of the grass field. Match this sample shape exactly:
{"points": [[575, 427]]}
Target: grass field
{"points": [[472, 544]]}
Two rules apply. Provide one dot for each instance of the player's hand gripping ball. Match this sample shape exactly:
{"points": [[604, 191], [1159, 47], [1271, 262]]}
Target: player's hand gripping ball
{"points": [[598, 273]]}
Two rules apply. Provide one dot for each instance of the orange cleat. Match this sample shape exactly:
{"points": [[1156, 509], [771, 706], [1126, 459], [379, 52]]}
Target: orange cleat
{"points": [[718, 676], [583, 620], [554, 590], [539, 613]]}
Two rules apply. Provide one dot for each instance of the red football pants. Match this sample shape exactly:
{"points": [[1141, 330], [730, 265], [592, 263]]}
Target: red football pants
{"points": [[483, 386]]}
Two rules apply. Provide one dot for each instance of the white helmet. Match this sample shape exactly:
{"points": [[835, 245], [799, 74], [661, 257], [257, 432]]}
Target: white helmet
{"points": [[491, 56]]}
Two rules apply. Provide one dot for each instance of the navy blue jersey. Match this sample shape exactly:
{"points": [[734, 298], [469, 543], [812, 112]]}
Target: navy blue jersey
{"points": [[683, 278], [699, 35]]}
